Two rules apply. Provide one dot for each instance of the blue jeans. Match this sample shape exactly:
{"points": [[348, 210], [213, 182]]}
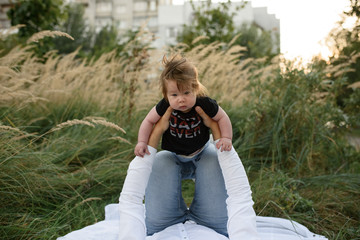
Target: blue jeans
{"points": [[164, 203]]}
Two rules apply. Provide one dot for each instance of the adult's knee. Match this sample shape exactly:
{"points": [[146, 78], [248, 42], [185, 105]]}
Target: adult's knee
{"points": [[165, 162], [209, 157]]}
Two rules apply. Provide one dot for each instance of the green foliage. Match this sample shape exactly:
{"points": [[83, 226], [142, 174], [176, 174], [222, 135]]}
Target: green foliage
{"points": [[93, 44], [284, 124], [106, 41], [7, 43], [258, 42], [318, 202], [37, 15], [65, 176], [74, 25], [295, 159], [127, 45], [69, 19], [45, 187], [216, 24], [346, 46], [289, 132]]}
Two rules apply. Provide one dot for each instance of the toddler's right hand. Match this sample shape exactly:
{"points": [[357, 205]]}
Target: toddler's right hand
{"points": [[141, 149]]}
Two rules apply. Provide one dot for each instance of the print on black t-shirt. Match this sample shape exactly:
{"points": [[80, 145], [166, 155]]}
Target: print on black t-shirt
{"points": [[187, 132], [184, 127]]}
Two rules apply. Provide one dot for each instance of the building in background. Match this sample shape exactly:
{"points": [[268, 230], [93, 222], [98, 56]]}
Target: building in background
{"points": [[163, 18], [127, 14], [4, 21], [172, 17]]}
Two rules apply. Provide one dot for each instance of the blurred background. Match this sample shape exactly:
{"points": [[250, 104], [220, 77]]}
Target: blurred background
{"points": [[78, 77]]}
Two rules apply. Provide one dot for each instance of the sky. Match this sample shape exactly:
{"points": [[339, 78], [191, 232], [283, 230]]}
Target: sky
{"points": [[304, 24]]}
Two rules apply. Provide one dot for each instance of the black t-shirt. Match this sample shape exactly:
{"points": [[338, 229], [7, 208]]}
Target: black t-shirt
{"points": [[187, 132]]}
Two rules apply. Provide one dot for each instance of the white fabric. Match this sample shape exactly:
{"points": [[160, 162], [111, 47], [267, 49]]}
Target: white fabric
{"points": [[242, 217], [125, 221], [268, 228], [131, 207]]}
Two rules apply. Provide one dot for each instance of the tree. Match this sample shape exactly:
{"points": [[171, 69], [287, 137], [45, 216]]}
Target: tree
{"points": [[37, 15], [74, 25], [105, 41], [345, 44], [217, 24], [8, 40], [259, 43]]}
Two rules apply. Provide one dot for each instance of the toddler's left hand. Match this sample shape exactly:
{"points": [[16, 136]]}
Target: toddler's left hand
{"points": [[224, 144]]}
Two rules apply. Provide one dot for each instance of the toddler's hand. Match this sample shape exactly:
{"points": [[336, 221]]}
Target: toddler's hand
{"points": [[141, 149], [224, 144]]}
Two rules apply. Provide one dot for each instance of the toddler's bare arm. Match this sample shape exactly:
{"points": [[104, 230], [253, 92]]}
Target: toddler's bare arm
{"points": [[225, 142], [144, 132]]}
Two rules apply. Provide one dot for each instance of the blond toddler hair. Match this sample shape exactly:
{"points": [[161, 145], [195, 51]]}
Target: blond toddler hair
{"points": [[185, 74]]}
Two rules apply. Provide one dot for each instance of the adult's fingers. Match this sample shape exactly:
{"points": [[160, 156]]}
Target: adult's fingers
{"points": [[201, 112], [167, 113]]}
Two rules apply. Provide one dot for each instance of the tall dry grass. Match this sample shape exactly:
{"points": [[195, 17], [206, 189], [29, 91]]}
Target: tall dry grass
{"points": [[68, 128]]}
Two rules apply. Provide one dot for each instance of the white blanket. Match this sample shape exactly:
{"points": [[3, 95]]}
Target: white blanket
{"points": [[269, 228], [125, 221]]}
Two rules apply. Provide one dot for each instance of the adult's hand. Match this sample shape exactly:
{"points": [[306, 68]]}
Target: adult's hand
{"points": [[160, 127], [209, 122]]}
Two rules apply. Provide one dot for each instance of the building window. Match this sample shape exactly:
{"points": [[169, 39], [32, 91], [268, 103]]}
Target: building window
{"points": [[103, 22], [150, 21], [171, 32], [120, 9], [139, 21], [123, 25], [140, 6], [103, 7], [153, 5]]}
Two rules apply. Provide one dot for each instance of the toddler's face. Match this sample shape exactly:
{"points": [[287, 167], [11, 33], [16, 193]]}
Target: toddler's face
{"points": [[182, 100]]}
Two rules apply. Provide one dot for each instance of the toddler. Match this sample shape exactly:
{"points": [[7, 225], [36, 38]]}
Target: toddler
{"points": [[182, 91], [186, 153]]}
